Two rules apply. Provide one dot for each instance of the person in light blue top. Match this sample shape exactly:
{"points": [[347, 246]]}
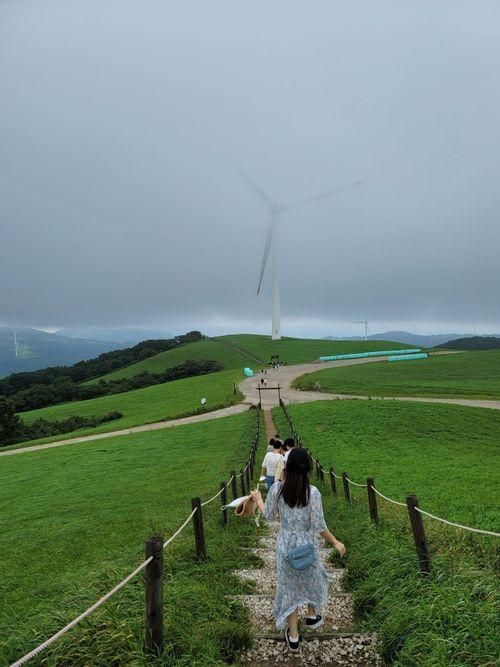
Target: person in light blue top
{"points": [[299, 508]]}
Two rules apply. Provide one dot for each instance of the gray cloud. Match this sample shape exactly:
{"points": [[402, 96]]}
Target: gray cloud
{"points": [[123, 125]]}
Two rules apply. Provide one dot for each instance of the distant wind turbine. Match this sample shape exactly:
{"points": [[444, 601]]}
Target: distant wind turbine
{"points": [[16, 345], [271, 244], [366, 326]]}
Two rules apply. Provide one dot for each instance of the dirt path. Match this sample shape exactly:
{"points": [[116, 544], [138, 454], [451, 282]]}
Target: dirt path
{"points": [[194, 419], [287, 374], [250, 390]]}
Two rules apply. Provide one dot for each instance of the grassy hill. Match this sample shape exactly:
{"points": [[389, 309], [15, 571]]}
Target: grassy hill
{"points": [[200, 350], [449, 456], [302, 350], [465, 375], [143, 406], [81, 529]]}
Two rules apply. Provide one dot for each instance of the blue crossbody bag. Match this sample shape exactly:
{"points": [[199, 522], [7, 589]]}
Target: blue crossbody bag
{"points": [[301, 557]]}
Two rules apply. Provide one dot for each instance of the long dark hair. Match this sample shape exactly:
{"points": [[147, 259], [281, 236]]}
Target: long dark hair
{"points": [[295, 488]]}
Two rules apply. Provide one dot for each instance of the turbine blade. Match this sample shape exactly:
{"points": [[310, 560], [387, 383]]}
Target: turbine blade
{"points": [[267, 247], [328, 193], [258, 191]]}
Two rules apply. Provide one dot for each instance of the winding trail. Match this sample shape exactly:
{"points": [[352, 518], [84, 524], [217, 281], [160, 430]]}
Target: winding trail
{"points": [[249, 387], [287, 374]]}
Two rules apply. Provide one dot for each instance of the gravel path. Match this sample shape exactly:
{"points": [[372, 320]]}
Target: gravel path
{"points": [[194, 419], [332, 644], [287, 374], [250, 390]]}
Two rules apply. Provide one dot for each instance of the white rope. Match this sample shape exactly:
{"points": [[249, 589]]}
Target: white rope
{"points": [[457, 525], [390, 500], [213, 497], [86, 613], [171, 539], [363, 486]]}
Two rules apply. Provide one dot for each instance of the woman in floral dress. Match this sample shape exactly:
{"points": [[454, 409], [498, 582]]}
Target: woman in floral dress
{"points": [[298, 506]]}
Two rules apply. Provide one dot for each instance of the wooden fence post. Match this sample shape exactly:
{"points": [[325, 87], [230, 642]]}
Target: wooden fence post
{"points": [[347, 490], [417, 526], [223, 501], [154, 594], [333, 481], [243, 486], [321, 472], [199, 535], [372, 500], [234, 487]]}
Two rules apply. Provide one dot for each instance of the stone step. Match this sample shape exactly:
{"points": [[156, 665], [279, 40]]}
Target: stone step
{"points": [[265, 579], [333, 650], [338, 614]]}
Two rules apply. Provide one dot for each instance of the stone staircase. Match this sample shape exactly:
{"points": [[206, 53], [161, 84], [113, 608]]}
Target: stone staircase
{"points": [[331, 645]]}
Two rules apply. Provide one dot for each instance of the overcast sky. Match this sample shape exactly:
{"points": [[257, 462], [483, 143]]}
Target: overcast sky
{"points": [[123, 125]]}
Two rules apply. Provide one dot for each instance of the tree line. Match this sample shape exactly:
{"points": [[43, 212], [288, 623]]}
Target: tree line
{"points": [[14, 430], [63, 389]]}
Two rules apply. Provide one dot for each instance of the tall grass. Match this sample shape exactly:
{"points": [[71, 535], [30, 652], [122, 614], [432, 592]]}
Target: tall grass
{"points": [[79, 527], [450, 618]]}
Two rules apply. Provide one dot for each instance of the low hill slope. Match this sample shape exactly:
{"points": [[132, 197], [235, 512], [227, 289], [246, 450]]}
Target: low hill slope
{"points": [[301, 350], [142, 406], [473, 343], [463, 375], [200, 350]]}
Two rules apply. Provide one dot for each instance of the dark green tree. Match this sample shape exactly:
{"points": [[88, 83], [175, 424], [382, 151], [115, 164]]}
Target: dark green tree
{"points": [[10, 424]]}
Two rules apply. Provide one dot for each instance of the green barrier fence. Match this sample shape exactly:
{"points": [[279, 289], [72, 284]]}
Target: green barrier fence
{"points": [[376, 353]]}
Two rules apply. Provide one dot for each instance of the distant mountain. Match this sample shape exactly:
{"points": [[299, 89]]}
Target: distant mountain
{"points": [[38, 349], [406, 337], [473, 343], [127, 336]]}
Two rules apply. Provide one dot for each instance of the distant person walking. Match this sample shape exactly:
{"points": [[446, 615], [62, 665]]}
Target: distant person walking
{"points": [[288, 446], [270, 463], [299, 508], [270, 446]]}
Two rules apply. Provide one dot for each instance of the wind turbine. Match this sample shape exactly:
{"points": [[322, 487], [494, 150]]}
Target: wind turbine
{"points": [[271, 244], [16, 345], [366, 326]]}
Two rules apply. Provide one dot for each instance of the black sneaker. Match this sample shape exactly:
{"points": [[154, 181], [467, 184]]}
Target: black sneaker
{"points": [[293, 646], [316, 622]]}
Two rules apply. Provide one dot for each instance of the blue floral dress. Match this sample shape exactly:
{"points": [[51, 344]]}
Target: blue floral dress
{"points": [[298, 525]]}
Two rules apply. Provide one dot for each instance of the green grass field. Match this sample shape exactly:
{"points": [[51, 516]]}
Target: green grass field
{"points": [[464, 375], [200, 350], [301, 350], [143, 406], [292, 350], [77, 526], [448, 456]]}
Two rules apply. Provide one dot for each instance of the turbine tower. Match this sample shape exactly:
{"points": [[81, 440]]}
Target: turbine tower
{"points": [[271, 244], [366, 327], [16, 345]]}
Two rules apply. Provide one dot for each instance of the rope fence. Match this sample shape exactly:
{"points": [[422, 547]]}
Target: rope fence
{"points": [[411, 504], [153, 564]]}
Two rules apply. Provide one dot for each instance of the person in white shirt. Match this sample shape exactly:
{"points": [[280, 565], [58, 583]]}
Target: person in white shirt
{"points": [[288, 446], [270, 463]]}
